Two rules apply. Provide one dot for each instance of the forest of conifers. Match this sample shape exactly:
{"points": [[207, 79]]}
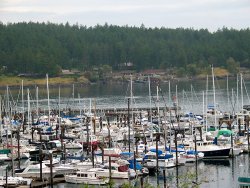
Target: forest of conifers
{"points": [[47, 48]]}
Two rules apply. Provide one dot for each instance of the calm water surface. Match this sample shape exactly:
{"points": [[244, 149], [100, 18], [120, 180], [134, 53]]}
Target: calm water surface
{"points": [[189, 93]]}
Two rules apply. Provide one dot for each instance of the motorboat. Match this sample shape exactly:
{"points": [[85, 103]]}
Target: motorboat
{"points": [[86, 177]]}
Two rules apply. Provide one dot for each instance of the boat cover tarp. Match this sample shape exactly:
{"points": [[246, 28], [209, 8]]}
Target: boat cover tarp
{"points": [[166, 156], [154, 150], [137, 165]]}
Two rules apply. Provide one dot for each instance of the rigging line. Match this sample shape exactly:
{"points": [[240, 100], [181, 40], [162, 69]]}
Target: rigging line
{"points": [[233, 105], [12, 101], [170, 123], [217, 83], [195, 94], [185, 95], [246, 90], [18, 95], [126, 93]]}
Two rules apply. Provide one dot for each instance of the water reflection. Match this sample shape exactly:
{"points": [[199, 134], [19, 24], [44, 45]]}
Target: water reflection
{"points": [[217, 162], [115, 95]]}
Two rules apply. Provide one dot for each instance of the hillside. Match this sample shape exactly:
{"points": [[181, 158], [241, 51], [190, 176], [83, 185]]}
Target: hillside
{"points": [[40, 48]]}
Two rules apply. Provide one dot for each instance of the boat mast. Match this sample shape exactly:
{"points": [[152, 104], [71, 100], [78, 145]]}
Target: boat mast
{"points": [[150, 102], [170, 119], [158, 108], [228, 102], [28, 99], [22, 105], [47, 79], [59, 109], [73, 96], [206, 102], [215, 123], [237, 92], [37, 105], [241, 90], [203, 105]]}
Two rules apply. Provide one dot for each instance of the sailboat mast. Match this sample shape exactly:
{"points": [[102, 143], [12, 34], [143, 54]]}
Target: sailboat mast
{"points": [[22, 104], [28, 99], [158, 108], [228, 102], [131, 100], [206, 102], [241, 90], [150, 102], [215, 123], [59, 108], [37, 105], [47, 79], [237, 94]]}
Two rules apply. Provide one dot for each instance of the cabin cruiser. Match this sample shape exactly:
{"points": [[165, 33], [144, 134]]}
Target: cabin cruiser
{"points": [[33, 171], [117, 171], [212, 151], [86, 177]]}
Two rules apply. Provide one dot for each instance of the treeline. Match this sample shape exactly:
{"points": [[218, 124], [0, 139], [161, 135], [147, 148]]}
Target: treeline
{"points": [[47, 48]]}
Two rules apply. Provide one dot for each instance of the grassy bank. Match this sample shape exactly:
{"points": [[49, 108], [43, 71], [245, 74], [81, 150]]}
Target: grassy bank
{"points": [[15, 81]]}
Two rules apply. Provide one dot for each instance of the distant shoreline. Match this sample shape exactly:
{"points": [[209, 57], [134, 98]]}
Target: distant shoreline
{"points": [[16, 82]]}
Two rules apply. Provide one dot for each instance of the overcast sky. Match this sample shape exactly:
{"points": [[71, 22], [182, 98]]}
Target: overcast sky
{"points": [[197, 14]]}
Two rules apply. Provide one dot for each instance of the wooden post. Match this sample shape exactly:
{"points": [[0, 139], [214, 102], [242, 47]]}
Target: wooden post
{"points": [[164, 178], [140, 118], [40, 156], [57, 131], [142, 182], [93, 121], [87, 138], [247, 125], [109, 133], [102, 150], [32, 134], [232, 145], [128, 127], [51, 171], [177, 176], [157, 161], [145, 144], [109, 169], [134, 162], [62, 135], [18, 147], [40, 162], [195, 147], [176, 148], [100, 124], [64, 151], [196, 160], [92, 155]]}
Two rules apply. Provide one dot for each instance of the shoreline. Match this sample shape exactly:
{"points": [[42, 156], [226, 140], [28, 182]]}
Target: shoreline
{"points": [[15, 82]]}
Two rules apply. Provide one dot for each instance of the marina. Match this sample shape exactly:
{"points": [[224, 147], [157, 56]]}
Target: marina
{"points": [[60, 142]]}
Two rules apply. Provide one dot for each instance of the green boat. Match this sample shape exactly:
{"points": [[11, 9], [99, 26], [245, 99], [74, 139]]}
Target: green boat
{"points": [[244, 182]]}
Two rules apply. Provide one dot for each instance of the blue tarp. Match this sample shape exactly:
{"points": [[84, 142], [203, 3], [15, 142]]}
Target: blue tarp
{"points": [[154, 150], [166, 156], [137, 165], [127, 154], [192, 152], [173, 150]]}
